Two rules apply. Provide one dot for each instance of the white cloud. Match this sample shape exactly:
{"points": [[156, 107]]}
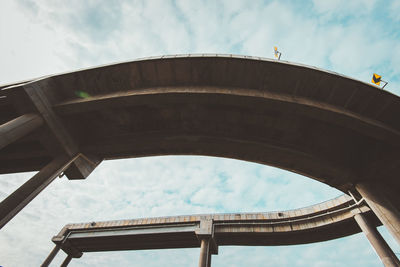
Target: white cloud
{"points": [[28, 47], [395, 10], [81, 34], [338, 9], [44, 37], [159, 186]]}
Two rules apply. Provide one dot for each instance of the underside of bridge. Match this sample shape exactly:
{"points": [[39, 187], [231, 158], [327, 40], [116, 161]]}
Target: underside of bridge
{"points": [[331, 128]]}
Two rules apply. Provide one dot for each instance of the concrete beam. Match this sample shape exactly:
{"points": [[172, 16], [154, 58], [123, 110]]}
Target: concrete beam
{"points": [[51, 256], [66, 261], [15, 202], [206, 230], [136, 97], [18, 128], [194, 94], [327, 220], [81, 168], [383, 208], [380, 246], [208, 246], [42, 103], [39, 97]]}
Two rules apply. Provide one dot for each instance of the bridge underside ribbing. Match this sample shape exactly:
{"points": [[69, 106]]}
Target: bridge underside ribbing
{"points": [[322, 125], [328, 127]]}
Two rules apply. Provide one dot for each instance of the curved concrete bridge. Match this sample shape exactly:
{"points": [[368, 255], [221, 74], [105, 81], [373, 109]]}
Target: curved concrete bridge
{"points": [[336, 218], [334, 129]]}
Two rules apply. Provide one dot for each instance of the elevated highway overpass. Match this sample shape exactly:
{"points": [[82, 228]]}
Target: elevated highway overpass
{"points": [[320, 124], [332, 219]]}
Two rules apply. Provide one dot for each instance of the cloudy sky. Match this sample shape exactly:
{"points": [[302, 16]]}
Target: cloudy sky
{"points": [[42, 37]]}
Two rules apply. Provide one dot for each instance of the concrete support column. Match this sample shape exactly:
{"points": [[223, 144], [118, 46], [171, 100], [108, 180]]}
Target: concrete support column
{"points": [[383, 250], [19, 127], [51, 256], [382, 207], [205, 234], [66, 261], [205, 254], [10, 206]]}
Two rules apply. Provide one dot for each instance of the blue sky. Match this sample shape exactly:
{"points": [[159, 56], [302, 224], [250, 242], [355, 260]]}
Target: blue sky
{"points": [[354, 38]]}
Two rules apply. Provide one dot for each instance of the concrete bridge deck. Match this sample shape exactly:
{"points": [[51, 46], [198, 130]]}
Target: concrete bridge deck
{"points": [[320, 124], [321, 222], [325, 126]]}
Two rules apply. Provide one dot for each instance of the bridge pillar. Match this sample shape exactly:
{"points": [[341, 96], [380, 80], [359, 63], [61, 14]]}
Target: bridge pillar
{"points": [[380, 246], [51, 256], [205, 234], [18, 128], [66, 261], [382, 207], [15, 202], [205, 253]]}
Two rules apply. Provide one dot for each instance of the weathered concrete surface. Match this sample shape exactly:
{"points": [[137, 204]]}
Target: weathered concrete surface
{"points": [[379, 244], [320, 124], [325, 221], [18, 128], [205, 254], [51, 256], [316, 123], [379, 200], [338, 217], [33, 98]]}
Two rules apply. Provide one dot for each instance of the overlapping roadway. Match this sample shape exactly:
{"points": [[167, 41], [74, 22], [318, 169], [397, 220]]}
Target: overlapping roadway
{"points": [[332, 128], [321, 222]]}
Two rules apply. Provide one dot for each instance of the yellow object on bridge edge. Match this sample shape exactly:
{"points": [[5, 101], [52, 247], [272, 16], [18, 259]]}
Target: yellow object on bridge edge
{"points": [[276, 51], [376, 79]]}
